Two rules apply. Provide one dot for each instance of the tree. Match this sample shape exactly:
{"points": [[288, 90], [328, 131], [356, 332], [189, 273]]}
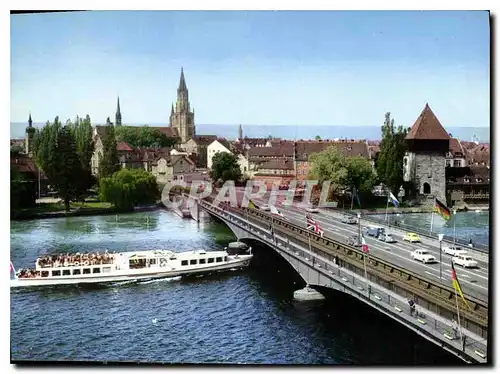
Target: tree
{"points": [[16, 150], [317, 137], [128, 188], [144, 136], [342, 171], [225, 167], [22, 192], [108, 164], [85, 148], [392, 150], [56, 155]]}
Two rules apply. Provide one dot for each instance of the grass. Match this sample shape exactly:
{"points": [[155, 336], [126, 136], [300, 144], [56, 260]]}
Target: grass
{"points": [[59, 207]]}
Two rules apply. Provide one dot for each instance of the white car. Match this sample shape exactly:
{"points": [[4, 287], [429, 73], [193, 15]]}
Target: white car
{"points": [[265, 208], [464, 260], [453, 250], [349, 220], [312, 209], [423, 255]]}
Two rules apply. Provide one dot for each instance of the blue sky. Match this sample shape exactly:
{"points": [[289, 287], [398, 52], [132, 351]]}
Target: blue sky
{"points": [[275, 68]]}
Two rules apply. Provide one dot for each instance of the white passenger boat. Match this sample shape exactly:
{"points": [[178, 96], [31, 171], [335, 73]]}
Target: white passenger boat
{"points": [[127, 266]]}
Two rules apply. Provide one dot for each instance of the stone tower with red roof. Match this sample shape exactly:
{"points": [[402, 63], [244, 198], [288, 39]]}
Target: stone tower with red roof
{"points": [[425, 161]]}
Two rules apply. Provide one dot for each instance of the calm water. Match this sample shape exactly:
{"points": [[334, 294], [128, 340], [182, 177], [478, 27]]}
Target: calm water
{"points": [[236, 317], [468, 225], [17, 130]]}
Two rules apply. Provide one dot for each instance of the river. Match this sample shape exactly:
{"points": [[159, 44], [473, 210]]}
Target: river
{"points": [[247, 316]]}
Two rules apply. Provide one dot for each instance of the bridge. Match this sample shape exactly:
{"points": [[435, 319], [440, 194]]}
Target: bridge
{"points": [[327, 261]]}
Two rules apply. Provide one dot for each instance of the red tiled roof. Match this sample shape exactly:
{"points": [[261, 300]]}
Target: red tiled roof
{"points": [[124, 147], [456, 147], [427, 127], [278, 164], [204, 140], [283, 150]]}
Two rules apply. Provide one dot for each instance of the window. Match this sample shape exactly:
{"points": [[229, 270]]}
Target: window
{"points": [[96, 270], [202, 261], [66, 272], [479, 180], [76, 272], [457, 163], [225, 258], [86, 271], [56, 273], [192, 262], [218, 259], [448, 163], [152, 261], [427, 188], [466, 180], [45, 274], [210, 260], [184, 262]]}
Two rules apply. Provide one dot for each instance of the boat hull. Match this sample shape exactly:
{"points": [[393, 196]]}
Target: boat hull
{"points": [[131, 275]]}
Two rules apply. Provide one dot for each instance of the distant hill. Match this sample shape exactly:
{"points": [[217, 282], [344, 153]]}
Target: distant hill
{"points": [[17, 130]]}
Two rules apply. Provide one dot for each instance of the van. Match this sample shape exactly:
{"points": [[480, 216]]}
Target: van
{"points": [[375, 231]]}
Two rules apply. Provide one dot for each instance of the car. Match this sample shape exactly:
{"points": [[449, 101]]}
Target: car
{"points": [[349, 220], [454, 250], [464, 260], [312, 209], [375, 231], [411, 237], [353, 240], [265, 208], [387, 238], [423, 255]]}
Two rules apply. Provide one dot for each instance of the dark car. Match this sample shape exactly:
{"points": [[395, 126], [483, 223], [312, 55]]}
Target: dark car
{"points": [[375, 231]]}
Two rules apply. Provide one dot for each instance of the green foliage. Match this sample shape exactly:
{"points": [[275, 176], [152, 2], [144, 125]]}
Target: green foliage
{"points": [[128, 188], [343, 172], [392, 150], [82, 130], [56, 155], [143, 136], [22, 192], [108, 164], [225, 167], [317, 137], [16, 150]]}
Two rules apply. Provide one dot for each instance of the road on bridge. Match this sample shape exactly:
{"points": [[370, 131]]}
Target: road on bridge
{"points": [[474, 281]]}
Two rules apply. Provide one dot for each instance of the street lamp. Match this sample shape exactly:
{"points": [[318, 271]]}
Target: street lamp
{"points": [[440, 236], [359, 228]]}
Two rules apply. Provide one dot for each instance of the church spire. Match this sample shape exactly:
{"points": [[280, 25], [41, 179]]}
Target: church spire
{"points": [[118, 115], [240, 132], [172, 111], [182, 82], [30, 121]]}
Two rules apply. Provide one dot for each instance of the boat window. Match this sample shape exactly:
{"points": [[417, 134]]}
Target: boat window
{"points": [[202, 261], [96, 270], [218, 259], [66, 272], [56, 273], [184, 262], [137, 263], [45, 274], [210, 260], [192, 262], [86, 271], [76, 272], [152, 261], [225, 258], [106, 269]]}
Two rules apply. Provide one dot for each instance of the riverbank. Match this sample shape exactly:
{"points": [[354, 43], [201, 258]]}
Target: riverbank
{"points": [[88, 209]]}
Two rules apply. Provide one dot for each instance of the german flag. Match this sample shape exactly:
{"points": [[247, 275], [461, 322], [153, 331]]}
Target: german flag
{"points": [[456, 284], [442, 210], [251, 205]]}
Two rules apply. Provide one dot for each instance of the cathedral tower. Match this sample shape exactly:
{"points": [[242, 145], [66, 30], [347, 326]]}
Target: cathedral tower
{"points": [[118, 115], [30, 133], [182, 118]]}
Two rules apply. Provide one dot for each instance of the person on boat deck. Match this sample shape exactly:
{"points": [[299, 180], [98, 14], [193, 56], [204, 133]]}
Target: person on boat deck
{"points": [[75, 260]]}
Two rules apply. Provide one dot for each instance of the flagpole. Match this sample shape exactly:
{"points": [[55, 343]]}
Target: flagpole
{"points": [[458, 313], [432, 220], [454, 226], [386, 208]]}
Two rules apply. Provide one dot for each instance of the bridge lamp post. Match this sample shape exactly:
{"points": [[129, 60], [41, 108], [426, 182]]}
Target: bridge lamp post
{"points": [[440, 236]]}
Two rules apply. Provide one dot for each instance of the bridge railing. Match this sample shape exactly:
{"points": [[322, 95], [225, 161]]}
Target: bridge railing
{"points": [[376, 294]]}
